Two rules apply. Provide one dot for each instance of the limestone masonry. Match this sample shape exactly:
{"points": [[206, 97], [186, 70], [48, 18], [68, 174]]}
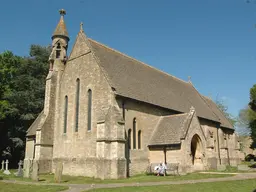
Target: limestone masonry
{"points": [[107, 115]]}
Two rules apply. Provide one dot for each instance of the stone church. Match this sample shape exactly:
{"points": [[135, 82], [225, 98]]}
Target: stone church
{"points": [[108, 115]]}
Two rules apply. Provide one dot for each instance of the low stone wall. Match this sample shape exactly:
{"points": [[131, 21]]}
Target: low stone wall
{"points": [[93, 167]]}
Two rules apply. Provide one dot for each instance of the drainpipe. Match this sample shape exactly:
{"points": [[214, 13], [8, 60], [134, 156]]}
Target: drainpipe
{"points": [[218, 143], [165, 155]]}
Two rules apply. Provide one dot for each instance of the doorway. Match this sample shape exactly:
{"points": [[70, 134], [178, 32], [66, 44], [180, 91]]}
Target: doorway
{"points": [[196, 151]]}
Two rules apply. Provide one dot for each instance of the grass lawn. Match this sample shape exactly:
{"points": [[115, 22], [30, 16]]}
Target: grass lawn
{"points": [[49, 178], [137, 178], [10, 187], [224, 186]]}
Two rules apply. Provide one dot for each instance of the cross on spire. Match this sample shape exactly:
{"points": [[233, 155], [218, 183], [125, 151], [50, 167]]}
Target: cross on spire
{"points": [[81, 26], [62, 12]]}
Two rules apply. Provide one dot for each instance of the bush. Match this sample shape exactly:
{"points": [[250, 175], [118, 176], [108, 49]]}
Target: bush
{"points": [[250, 157]]}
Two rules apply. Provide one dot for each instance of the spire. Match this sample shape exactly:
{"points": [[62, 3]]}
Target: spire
{"points": [[61, 29]]}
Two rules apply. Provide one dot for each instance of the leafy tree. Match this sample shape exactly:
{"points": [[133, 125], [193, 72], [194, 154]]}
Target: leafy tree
{"points": [[8, 69], [22, 96], [247, 116], [252, 115], [252, 103], [224, 108], [243, 121]]}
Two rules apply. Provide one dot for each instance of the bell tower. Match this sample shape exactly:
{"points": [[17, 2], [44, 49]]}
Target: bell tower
{"points": [[60, 40], [44, 142]]}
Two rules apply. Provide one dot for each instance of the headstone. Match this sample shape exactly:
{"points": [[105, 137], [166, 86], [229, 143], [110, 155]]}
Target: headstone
{"points": [[2, 166], [35, 171], [19, 173], [58, 172], [221, 167], [6, 171], [27, 167], [243, 167]]}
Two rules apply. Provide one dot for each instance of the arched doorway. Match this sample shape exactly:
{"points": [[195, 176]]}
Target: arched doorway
{"points": [[196, 152]]}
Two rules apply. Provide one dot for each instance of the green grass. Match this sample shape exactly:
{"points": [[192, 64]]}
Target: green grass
{"points": [[229, 169], [137, 178], [224, 186], [49, 178], [10, 187]]}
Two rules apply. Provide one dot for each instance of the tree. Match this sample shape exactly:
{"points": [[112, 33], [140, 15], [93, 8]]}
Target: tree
{"points": [[224, 108], [8, 68], [252, 102], [252, 115], [22, 97], [243, 121], [247, 116]]}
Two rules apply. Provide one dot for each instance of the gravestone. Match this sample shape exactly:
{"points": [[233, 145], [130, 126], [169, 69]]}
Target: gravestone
{"points": [[58, 172], [19, 173], [221, 167], [2, 166], [35, 171], [243, 167], [6, 171]]}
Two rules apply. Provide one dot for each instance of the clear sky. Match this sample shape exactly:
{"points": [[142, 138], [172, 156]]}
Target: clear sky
{"points": [[213, 41]]}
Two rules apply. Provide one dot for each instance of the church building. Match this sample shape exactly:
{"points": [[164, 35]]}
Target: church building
{"points": [[107, 115]]}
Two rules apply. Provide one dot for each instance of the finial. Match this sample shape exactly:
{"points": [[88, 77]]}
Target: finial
{"points": [[192, 109], [62, 12], [189, 79], [81, 26]]}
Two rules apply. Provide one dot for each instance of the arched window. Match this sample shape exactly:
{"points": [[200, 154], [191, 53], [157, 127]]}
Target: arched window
{"points": [[123, 108], [134, 133], [139, 139], [77, 104], [58, 49], [89, 119], [129, 138], [65, 114]]}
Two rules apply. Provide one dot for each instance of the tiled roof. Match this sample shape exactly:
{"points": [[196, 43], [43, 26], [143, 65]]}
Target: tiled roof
{"points": [[134, 79], [32, 129], [169, 130], [61, 29]]}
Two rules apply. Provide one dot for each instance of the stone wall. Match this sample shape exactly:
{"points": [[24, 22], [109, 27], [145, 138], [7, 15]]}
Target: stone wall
{"points": [[78, 150], [147, 118], [29, 153]]}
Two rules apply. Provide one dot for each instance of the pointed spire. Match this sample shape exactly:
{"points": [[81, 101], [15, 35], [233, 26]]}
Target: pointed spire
{"points": [[61, 29]]}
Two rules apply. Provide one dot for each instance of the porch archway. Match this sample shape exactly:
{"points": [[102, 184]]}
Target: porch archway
{"points": [[196, 150]]}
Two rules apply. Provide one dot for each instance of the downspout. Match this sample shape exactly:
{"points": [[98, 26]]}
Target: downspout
{"points": [[165, 162], [218, 142]]}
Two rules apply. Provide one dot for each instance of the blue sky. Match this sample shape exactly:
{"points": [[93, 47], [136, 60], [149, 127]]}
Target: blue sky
{"points": [[213, 41]]}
